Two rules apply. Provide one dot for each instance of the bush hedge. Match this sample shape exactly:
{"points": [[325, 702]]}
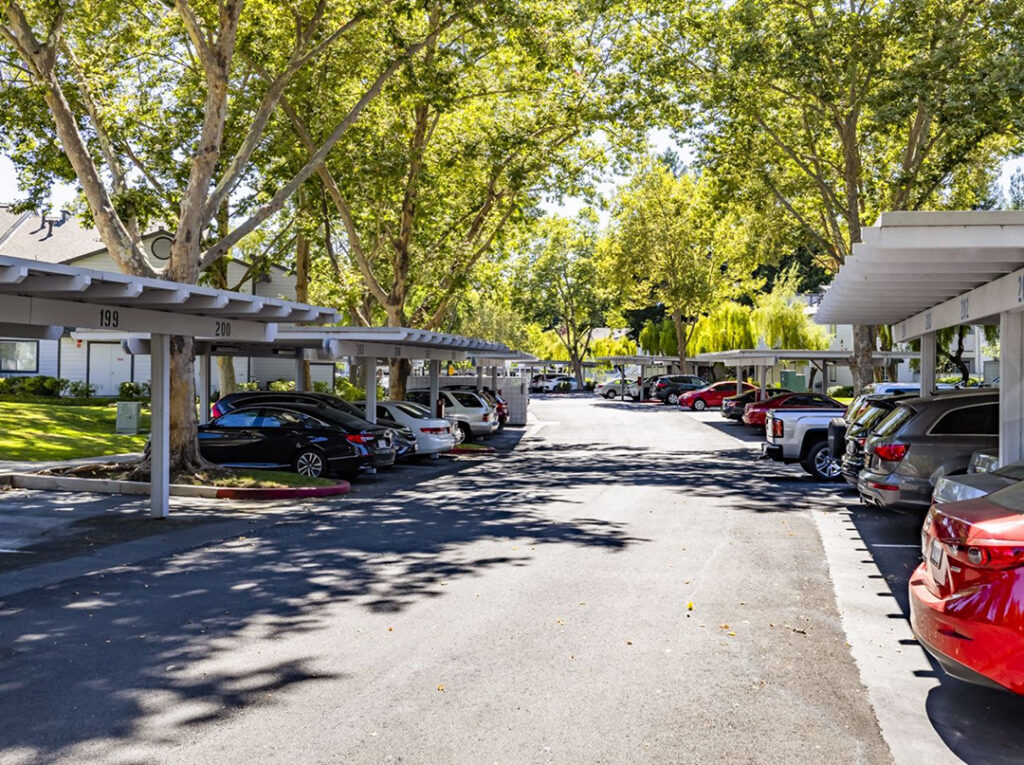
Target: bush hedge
{"points": [[36, 385], [841, 391]]}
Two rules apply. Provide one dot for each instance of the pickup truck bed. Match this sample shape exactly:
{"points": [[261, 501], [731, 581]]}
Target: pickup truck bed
{"points": [[801, 435]]}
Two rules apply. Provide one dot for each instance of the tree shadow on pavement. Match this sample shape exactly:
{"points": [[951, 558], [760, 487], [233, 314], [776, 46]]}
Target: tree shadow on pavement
{"points": [[978, 724], [82, 661]]}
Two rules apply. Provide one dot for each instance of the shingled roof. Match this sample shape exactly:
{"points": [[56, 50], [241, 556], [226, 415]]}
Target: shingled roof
{"points": [[48, 239]]}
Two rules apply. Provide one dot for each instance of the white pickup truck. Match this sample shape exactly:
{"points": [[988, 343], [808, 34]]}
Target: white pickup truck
{"points": [[801, 435]]}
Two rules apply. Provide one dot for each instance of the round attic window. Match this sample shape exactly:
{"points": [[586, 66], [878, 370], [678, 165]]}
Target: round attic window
{"points": [[161, 247]]}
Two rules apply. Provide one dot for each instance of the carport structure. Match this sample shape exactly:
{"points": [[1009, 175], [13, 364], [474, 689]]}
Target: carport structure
{"points": [[40, 300], [926, 271], [641, 361], [367, 345], [763, 358]]}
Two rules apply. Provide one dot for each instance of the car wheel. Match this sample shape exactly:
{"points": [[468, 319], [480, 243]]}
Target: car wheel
{"points": [[609, 394], [700, 405], [466, 432], [310, 463], [673, 398], [819, 463]]}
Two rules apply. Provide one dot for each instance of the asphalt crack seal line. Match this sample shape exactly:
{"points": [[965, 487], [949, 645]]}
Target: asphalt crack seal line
{"points": [[897, 675]]}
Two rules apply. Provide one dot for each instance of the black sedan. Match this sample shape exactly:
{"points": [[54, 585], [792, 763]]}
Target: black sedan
{"points": [[732, 407], [401, 436], [312, 441]]}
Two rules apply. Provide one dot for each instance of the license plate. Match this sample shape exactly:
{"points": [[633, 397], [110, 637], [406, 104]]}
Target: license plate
{"points": [[936, 553]]}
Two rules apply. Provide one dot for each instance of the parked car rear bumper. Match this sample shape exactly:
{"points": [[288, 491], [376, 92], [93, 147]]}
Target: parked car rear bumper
{"points": [[894, 489], [772, 452], [969, 649]]}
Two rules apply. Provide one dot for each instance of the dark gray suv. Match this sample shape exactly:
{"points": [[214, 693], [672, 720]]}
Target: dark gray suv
{"points": [[922, 440]]}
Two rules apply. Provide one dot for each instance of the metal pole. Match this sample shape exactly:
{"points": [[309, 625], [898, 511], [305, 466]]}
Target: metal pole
{"points": [[160, 426], [762, 373], [204, 389], [370, 380], [739, 379], [494, 379], [479, 378], [435, 384], [300, 372], [927, 364]]}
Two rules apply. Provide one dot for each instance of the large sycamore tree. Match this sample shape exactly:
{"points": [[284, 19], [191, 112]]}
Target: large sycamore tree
{"points": [[463, 143], [157, 110], [838, 111], [672, 243]]}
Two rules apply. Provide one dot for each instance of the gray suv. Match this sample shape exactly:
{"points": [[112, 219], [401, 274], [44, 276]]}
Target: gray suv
{"points": [[922, 440]]}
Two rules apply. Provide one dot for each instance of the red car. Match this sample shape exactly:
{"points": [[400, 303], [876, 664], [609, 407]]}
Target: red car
{"points": [[756, 412], [711, 395], [967, 598]]}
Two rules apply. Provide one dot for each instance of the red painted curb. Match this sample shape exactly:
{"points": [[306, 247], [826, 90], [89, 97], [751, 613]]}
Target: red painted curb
{"points": [[342, 487], [481, 450]]}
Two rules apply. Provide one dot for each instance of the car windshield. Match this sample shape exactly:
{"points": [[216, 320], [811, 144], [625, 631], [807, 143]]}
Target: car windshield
{"points": [[893, 421], [468, 400], [411, 409], [340, 417], [869, 416]]}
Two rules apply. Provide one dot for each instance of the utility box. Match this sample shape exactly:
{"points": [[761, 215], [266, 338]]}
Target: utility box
{"points": [[128, 417], [793, 381]]}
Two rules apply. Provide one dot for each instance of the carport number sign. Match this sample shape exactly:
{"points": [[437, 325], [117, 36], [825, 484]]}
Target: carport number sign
{"points": [[222, 329], [109, 318], [965, 308]]}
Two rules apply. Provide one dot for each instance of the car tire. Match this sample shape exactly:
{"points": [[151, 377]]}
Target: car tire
{"points": [[467, 433], [609, 394], [819, 463], [673, 398], [310, 463], [699, 405]]}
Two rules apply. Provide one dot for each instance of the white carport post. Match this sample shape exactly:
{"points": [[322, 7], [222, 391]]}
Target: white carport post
{"points": [[643, 376], [762, 372], [494, 379], [1011, 405], [204, 388], [370, 381], [739, 379], [160, 426], [300, 372], [479, 378], [435, 385], [927, 364]]}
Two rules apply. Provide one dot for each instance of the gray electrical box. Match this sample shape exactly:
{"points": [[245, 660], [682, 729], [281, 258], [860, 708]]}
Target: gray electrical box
{"points": [[128, 416]]}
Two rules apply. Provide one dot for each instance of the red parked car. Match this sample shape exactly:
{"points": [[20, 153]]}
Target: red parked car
{"points": [[967, 598], [756, 412], [711, 395]]}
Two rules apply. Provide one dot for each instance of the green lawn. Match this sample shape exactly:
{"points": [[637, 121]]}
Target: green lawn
{"points": [[30, 431]]}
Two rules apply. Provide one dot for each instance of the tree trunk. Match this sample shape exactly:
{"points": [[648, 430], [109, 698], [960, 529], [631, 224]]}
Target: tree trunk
{"points": [[400, 369], [677, 322], [862, 362], [302, 289], [226, 375], [184, 438]]}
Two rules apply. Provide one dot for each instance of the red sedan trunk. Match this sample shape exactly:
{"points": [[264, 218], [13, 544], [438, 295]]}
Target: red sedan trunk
{"points": [[755, 414], [967, 598]]}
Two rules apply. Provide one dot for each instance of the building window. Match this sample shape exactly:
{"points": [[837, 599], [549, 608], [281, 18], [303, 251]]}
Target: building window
{"points": [[19, 356]]}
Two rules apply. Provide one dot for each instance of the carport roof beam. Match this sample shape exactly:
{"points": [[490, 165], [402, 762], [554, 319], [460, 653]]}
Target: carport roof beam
{"points": [[924, 271]]}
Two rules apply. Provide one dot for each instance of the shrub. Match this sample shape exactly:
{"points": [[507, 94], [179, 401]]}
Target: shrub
{"points": [[81, 389], [129, 390], [251, 385], [37, 385], [841, 391], [346, 390], [280, 385], [589, 385], [319, 386], [563, 387], [957, 379]]}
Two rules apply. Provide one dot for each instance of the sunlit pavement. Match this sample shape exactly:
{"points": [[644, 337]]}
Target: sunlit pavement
{"points": [[628, 585]]}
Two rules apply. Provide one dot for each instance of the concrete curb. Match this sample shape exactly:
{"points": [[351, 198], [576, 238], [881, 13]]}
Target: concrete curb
{"points": [[109, 486], [478, 450]]}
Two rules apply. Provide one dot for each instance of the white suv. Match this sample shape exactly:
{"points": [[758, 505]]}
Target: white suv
{"points": [[474, 415]]}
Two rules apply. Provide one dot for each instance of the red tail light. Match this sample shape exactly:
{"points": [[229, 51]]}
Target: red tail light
{"points": [[215, 411], [860, 442], [434, 431], [661, 384], [891, 452], [487, 417], [990, 555], [777, 428], [361, 438]]}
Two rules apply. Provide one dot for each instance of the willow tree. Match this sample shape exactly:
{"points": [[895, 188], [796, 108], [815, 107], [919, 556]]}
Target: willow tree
{"points": [[838, 111], [158, 109]]}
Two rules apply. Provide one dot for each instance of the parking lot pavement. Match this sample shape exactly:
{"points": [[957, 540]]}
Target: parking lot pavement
{"points": [[625, 585]]}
